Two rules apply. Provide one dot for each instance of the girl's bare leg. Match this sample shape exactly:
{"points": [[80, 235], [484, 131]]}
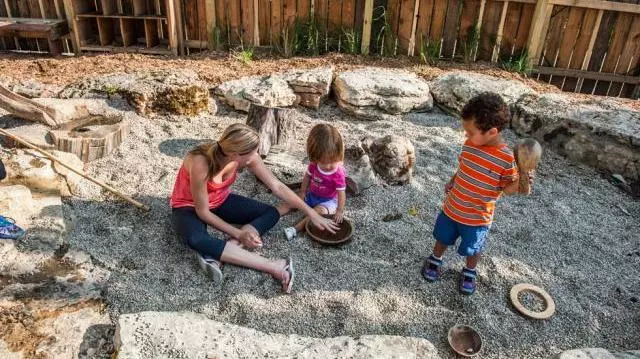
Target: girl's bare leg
{"points": [[233, 254]]}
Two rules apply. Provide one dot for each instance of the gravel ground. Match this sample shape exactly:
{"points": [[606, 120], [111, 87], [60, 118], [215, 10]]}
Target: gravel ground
{"points": [[576, 236]]}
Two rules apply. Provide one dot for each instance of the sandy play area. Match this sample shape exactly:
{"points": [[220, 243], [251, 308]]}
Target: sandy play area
{"points": [[577, 236]]}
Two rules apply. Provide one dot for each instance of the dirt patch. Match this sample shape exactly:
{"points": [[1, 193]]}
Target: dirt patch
{"points": [[47, 271], [20, 325]]}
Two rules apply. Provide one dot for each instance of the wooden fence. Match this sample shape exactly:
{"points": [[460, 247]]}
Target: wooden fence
{"points": [[588, 46], [39, 9]]}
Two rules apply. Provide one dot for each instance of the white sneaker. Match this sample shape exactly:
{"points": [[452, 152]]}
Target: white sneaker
{"points": [[290, 233]]}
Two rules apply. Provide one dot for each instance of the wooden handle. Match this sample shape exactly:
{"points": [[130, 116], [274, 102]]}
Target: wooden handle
{"points": [[527, 153], [70, 168]]}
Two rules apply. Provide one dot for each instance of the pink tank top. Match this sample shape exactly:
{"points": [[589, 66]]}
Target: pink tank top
{"points": [[181, 196]]}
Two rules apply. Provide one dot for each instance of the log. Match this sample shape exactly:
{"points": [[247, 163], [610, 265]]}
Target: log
{"points": [[276, 126], [29, 110], [90, 137]]}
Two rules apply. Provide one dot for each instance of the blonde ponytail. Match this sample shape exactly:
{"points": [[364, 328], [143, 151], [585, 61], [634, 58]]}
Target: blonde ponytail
{"points": [[236, 139]]}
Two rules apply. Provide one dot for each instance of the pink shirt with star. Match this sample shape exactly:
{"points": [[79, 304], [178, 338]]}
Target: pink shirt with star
{"points": [[326, 184]]}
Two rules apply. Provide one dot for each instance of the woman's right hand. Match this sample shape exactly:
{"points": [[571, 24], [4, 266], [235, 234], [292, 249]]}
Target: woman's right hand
{"points": [[325, 224], [249, 238]]}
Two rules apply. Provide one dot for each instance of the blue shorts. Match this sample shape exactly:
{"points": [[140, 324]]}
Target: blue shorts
{"points": [[447, 231], [331, 204]]}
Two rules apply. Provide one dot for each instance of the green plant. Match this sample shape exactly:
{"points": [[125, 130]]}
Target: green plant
{"points": [[518, 63], [470, 44], [386, 40], [244, 55], [430, 51], [307, 36], [217, 38], [352, 41], [110, 90]]}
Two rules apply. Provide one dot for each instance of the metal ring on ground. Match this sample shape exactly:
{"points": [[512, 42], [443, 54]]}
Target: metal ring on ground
{"points": [[549, 303]]}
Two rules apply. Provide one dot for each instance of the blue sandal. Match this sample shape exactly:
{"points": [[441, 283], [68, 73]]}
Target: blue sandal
{"points": [[9, 229], [431, 270], [468, 281]]}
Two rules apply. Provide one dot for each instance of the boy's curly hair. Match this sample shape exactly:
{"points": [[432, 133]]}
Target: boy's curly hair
{"points": [[487, 110]]}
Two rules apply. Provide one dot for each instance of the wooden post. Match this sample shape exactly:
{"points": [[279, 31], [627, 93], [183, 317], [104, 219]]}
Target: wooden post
{"points": [[256, 24], [71, 20], [15, 39], [592, 41], [59, 16], [367, 19], [496, 47], [541, 15], [483, 3], [174, 31], [412, 39], [210, 14]]}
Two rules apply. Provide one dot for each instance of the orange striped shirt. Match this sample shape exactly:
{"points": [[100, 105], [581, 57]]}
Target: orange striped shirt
{"points": [[482, 174]]}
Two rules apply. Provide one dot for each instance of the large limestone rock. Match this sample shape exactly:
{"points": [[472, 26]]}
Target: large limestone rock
{"points": [[16, 202], [597, 353], [374, 93], [55, 310], [361, 175], [305, 87], [158, 91], [598, 132], [454, 90], [29, 88], [392, 158], [31, 169], [160, 335], [310, 86], [270, 91]]}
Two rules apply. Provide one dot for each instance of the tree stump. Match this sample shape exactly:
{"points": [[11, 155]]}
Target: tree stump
{"points": [[91, 137], [276, 126]]}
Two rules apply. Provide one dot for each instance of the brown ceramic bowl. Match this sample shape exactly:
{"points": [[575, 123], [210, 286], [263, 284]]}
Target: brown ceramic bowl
{"points": [[465, 340], [342, 236]]}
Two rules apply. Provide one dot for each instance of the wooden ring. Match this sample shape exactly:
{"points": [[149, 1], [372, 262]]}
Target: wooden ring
{"points": [[548, 301]]}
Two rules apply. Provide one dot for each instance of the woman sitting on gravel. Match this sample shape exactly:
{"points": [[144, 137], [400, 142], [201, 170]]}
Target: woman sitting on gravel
{"points": [[201, 196]]}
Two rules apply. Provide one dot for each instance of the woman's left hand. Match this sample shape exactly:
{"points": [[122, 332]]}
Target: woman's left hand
{"points": [[325, 224]]}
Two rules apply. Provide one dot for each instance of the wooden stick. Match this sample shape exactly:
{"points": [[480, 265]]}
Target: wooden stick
{"points": [[527, 153], [55, 159]]}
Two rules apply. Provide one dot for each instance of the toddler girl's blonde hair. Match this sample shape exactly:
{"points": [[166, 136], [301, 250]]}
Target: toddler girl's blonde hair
{"points": [[325, 144]]}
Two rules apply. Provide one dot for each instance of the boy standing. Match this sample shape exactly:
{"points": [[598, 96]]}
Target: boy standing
{"points": [[486, 170]]}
